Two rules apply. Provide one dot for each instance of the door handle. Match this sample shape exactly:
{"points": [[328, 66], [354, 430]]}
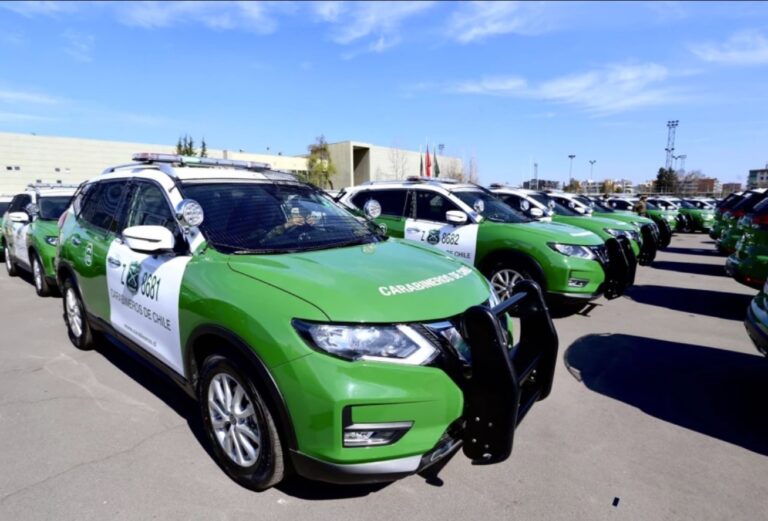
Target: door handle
{"points": [[115, 263], [76, 240], [413, 230]]}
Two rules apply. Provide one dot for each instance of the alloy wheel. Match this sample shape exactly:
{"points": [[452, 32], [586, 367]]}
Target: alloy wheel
{"points": [[233, 420], [37, 273], [74, 313], [504, 280]]}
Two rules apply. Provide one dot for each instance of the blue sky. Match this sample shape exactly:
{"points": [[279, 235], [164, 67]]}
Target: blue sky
{"points": [[509, 83]]}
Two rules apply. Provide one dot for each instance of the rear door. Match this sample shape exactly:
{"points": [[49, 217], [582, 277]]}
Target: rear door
{"points": [[392, 202], [98, 212], [143, 288], [427, 223]]}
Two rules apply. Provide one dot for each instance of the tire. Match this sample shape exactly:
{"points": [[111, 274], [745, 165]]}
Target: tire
{"points": [[42, 287], [256, 465], [75, 317], [10, 266], [505, 273]]}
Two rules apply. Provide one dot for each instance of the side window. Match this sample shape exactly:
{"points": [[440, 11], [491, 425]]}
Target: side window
{"points": [[431, 206], [149, 207], [101, 202], [512, 200], [20, 202], [392, 201]]}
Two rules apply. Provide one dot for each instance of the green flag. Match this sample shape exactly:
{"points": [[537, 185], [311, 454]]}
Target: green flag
{"points": [[437, 167]]}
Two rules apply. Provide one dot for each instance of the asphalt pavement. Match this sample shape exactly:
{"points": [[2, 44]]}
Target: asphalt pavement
{"points": [[659, 411]]}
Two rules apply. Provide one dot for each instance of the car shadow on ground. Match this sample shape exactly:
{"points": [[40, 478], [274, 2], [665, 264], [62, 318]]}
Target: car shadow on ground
{"points": [[692, 251], [718, 304], [716, 392], [186, 407], [716, 270]]}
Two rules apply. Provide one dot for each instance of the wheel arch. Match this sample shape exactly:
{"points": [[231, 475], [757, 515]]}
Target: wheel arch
{"points": [[518, 257], [206, 340]]}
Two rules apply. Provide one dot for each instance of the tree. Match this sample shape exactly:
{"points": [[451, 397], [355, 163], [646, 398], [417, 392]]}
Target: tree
{"points": [[203, 149], [320, 167], [666, 180], [606, 187], [398, 161], [185, 146], [573, 186], [452, 169]]}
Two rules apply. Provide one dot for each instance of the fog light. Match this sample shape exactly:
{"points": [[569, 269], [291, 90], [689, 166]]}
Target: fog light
{"points": [[577, 283], [373, 434]]}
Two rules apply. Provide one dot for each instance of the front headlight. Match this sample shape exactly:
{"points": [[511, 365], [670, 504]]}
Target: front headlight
{"points": [[629, 234], [52, 240], [399, 344], [573, 250]]}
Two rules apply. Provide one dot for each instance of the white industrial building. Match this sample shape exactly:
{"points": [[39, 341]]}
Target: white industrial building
{"points": [[29, 158]]}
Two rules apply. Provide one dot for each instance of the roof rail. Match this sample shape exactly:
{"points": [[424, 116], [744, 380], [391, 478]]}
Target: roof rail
{"points": [[37, 186], [178, 160]]}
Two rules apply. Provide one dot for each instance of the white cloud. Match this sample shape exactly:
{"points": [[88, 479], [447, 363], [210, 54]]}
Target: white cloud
{"points": [[611, 89], [15, 117], [475, 21], [743, 48], [30, 9], [252, 16], [79, 46], [354, 22], [17, 96]]}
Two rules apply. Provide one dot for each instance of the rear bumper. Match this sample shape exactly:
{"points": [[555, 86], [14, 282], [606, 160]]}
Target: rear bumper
{"points": [[747, 273]]}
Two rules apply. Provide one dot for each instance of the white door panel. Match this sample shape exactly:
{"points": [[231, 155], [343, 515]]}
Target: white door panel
{"points": [[458, 241]]}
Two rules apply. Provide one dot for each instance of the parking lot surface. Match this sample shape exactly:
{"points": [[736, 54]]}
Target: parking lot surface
{"points": [[659, 411]]}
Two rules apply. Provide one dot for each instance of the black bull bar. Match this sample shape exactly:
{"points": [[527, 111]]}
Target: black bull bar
{"points": [[649, 246], [505, 383]]}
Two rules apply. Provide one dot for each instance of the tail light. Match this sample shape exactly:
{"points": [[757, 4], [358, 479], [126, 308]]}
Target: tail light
{"points": [[760, 220], [738, 213]]}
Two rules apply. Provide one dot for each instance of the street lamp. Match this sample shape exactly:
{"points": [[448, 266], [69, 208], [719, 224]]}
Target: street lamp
{"points": [[591, 168], [570, 167]]}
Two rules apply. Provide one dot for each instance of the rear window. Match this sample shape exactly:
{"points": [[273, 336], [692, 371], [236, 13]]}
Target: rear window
{"points": [[749, 201], [51, 207], [392, 201]]}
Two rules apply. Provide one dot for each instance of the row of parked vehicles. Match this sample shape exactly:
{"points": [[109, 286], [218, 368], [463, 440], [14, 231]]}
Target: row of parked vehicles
{"points": [[352, 339], [741, 231]]}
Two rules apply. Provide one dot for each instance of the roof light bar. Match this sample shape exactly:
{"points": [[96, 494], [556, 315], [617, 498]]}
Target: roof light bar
{"points": [[175, 159]]}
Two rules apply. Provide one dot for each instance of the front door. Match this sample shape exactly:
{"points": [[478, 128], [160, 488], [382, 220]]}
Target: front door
{"points": [[143, 288], [16, 232], [427, 223], [392, 203]]}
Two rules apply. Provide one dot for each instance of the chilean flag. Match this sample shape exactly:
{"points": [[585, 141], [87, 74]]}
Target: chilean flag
{"points": [[428, 163]]}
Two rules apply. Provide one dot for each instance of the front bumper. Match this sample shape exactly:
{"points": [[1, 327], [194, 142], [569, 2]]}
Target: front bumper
{"points": [[620, 265], [649, 246], [498, 390]]}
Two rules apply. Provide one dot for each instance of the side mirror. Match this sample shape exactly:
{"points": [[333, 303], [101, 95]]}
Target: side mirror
{"points": [[19, 217], [536, 212], [32, 210], [372, 208], [149, 239], [455, 217]]}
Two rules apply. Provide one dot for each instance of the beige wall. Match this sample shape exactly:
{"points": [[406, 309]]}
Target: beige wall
{"points": [[383, 163], [38, 157]]}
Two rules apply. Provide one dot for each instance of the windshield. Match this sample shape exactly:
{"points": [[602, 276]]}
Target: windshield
{"points": [[558, 208], [665, 205], [687, 205], [52, 207], [252, 217], [651, 206], [597, 206], [699, 205], [490, 207]]}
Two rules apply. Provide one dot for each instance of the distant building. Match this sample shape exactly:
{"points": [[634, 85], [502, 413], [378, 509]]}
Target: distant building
{"points": [[758, 178], [701, 185], [27, 158], [541, 184], [729, 188]]}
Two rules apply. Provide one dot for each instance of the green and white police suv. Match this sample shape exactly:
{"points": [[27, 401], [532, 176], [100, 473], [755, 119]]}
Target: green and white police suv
{"points": [[311, 341], [31, 232], [471, 224]]}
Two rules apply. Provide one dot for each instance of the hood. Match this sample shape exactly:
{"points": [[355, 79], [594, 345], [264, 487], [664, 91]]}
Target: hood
{"points": [[627, 217], [558, 232], [391, 281]]}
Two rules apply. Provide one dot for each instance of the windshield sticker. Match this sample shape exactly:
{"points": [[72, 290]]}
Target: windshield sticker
{"points": [[421, 285], [457, 241]]}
